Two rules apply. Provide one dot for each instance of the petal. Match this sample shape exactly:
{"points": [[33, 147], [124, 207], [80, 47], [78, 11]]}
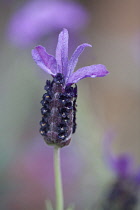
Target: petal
{"points": [[44, 60], [98, 70], [62, 51], [74, 58]]}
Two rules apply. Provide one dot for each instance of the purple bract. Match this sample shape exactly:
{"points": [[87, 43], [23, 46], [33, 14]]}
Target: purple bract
{"points": [[60, 63]]}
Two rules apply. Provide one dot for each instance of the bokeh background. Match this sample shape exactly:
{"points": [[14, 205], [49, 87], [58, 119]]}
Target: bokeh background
{"points": [[104, 104]]}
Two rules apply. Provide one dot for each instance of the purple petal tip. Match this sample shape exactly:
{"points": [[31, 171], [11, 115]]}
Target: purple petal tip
{"points": [[101, 71]]}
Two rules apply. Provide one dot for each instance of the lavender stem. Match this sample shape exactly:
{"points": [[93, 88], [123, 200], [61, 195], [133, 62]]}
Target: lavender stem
{"points": [[58, 180]]}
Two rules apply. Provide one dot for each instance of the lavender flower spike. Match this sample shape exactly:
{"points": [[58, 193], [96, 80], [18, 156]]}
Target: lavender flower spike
{"points": [[124, 191], [59, 103]]}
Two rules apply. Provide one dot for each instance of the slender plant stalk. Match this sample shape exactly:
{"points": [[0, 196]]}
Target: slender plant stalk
{"points": [[58, 180], [48, 205]]}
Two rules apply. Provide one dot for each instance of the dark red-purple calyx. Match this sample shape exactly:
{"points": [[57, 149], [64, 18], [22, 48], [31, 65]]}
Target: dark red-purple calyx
{"points": [[58, 112]]}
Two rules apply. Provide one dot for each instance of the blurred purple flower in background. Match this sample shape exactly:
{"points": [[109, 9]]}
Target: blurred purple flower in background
{"points": [[123, 191], [123, 165], [39, 17]]}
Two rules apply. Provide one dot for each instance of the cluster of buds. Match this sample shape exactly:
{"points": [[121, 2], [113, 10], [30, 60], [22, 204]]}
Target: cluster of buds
{"points": [[58, 112]]}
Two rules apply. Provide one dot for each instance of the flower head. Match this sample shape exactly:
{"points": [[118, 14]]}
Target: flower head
{"points": [[59, 102]]}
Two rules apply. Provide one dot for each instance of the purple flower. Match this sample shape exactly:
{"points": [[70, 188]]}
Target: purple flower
{"points": [[123, 191], [60, 63], [123, 165], [59, 102], [38, 18]]}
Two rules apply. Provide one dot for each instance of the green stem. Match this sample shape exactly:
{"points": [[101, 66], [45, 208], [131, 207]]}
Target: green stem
{"points": [[58, 181]]}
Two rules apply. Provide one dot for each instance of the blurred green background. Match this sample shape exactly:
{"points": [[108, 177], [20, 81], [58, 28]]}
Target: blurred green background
{"points": [[106, 103]]}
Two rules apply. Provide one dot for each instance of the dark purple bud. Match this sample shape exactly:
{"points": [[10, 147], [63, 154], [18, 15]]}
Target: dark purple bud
{"points": [[43, 102], [48, 85], [59, 79], [43, 124], [43, 111]]}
